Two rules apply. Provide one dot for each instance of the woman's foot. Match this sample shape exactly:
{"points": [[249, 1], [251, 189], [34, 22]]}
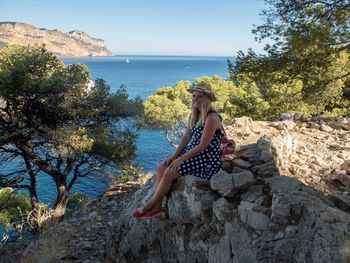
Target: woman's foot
{"points": [[153, 213], [141, 213]]}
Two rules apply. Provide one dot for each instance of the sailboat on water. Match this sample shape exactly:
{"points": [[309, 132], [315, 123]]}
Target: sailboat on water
{"points": [[127, 61]]}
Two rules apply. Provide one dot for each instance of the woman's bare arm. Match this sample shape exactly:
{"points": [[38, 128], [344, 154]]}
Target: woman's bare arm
{"points": [[212, 123], [184, 141]]}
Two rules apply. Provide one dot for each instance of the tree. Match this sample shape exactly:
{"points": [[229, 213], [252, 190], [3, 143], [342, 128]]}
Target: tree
{"points": [[311, 41], [169, 108], [55, 120], [12, 204]]}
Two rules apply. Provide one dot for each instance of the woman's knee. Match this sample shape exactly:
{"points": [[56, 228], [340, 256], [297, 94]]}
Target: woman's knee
{"points": [[171, 175], [161, 169]]}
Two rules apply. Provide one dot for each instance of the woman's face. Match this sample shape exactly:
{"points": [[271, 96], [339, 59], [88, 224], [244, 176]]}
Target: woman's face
{"points": [[198, 99]]}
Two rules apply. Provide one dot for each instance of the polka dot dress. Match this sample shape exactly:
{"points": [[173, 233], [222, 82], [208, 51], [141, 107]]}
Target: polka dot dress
{"points": [[206, 163]]}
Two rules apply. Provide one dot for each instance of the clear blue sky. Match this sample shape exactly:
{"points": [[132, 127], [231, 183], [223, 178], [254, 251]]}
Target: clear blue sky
{"points": [[157, 27]]}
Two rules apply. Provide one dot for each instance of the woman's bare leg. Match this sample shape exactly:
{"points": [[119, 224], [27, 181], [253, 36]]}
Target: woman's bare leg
{"points": [[162, 189], [160, 172]]}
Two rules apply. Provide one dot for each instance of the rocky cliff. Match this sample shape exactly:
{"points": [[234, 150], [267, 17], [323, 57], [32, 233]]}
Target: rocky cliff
{"points": [[72, 44], [284, 198]]}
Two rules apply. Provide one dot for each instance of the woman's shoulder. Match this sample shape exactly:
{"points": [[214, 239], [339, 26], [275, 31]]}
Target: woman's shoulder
{"points": [[214, 114], [213, 117]]}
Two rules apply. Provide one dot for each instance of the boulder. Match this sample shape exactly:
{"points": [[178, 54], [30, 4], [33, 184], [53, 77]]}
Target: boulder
{"points": [[229, 184], [346, 166]]}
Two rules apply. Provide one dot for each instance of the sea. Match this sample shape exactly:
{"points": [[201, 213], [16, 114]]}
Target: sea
{"points": [[141, 75]]}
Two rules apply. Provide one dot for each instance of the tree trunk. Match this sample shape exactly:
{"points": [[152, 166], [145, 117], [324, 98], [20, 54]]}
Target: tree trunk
{"points": [[34, 197], [62, 196], [32, 193]]}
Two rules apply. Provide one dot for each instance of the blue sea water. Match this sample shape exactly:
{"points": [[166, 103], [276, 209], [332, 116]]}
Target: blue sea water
{"points": [[141, 75]]}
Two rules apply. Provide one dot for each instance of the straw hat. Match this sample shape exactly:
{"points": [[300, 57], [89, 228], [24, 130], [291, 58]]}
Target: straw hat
{"points": [[205, 88]]}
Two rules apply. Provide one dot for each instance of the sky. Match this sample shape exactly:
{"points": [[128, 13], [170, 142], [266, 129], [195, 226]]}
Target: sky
{"points": [[149, 27]]}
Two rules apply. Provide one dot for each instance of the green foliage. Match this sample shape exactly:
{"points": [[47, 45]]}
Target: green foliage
{"points": [[75, 202], [58, 120], [128, 172], [12, 206], [169, 107], [307, 67]]}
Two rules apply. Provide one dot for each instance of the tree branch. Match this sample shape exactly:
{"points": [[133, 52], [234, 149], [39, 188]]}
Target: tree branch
{"points": [[34, 158]]}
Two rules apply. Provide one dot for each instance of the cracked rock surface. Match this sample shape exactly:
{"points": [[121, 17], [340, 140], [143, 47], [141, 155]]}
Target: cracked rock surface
{"points": [[291, 204]]}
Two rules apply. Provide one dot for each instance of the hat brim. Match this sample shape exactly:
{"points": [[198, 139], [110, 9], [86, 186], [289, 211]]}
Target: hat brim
{"points": [[210, 94]]}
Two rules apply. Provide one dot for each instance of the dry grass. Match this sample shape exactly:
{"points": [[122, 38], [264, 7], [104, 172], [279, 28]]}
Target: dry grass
{"points": [[41, 220]]}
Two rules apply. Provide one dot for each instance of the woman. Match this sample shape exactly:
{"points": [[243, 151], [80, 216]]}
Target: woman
{"points": [[198, 153]]}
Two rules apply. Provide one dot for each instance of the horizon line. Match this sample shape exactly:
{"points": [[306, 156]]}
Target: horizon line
{"points": [[171, 55]]}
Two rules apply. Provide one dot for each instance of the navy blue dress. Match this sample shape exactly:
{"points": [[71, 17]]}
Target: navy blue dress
{"points": [[207, 163]]}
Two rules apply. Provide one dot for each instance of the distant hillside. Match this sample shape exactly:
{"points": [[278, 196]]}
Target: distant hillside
{"points": [[72, 44]]}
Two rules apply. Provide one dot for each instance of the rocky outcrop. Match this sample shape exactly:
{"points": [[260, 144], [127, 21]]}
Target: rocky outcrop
{"points": [[72, 44], [261, 212], [315, 152]]}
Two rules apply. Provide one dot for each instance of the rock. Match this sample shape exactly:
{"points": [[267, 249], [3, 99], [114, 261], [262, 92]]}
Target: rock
{"points": [[340, 177], [72, 44], [283, 184], [278, 148], [313, 125], [207, 200], [286, 209], [346, 166], [266, 170], [341, 201], [287, 124], [290, 125], [220, 252], [229, 184], [326, 128], [241, 163], [223, 183], [186, 206], [248, 215], [233, 218], [249, 153], [291, 116], [242, 121], [223, 210], [242, 180], [252, 194], [227, 166]]}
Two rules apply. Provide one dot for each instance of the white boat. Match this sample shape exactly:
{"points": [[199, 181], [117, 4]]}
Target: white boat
{"points": [[127, 61]]}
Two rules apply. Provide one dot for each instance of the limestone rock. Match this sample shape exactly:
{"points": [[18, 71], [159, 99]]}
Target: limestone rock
{"points": [[291, 116], [291, 205], [241, 163], [223, 210], [187, 202], [223, 183], [242, 121], [72, 44], [229, 184], [251, 217], [346, 166], [341, 201], [326, 128]]}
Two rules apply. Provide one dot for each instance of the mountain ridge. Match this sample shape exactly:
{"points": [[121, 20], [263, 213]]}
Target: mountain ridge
{"points": [[75, 43]]}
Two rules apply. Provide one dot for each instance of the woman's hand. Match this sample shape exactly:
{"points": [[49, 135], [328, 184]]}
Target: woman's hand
{"points": [[167, 161], [175, 164]]}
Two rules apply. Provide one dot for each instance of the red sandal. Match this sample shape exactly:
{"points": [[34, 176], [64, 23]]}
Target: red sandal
{"points": [[153, 213], [138, 213]]}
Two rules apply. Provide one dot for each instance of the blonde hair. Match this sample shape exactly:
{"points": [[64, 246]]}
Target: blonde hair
{"points": [[198, 116]]}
